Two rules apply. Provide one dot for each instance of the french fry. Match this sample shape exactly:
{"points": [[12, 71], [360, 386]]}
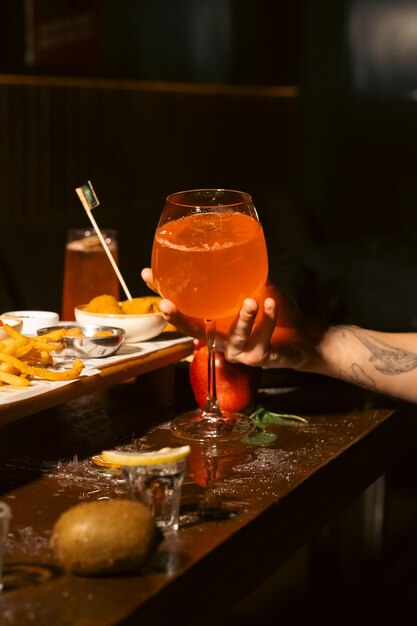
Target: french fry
{"points": [[44, 373], [53, 335], [13, 379], [6, 367], [14, 345], [22, 351], [43, 345], [38, 358]]}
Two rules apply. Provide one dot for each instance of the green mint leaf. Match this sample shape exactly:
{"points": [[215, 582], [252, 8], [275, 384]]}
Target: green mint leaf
{"points": [[262, 417], [259, 439]]}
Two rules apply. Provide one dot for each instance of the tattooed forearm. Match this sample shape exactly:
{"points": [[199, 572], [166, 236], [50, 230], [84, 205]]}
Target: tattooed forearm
{"points": [[360, 378], [387, 359]]}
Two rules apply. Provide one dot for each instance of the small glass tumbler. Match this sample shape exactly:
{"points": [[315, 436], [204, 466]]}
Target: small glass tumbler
{"points": [[159, 487], [5, 515]]}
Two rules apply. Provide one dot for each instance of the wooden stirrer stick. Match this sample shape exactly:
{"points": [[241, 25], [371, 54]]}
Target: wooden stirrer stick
{"points": [[90, 201]]}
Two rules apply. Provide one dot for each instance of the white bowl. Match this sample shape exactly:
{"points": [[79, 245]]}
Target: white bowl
{"points": [[32, 320], [12, 321], [137, 328]]}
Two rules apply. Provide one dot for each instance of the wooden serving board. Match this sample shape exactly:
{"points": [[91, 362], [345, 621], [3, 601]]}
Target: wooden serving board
{"points": [[132, 360]]}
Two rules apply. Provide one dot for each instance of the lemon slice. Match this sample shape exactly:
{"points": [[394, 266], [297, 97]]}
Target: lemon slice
{"points": [[152, 457]]}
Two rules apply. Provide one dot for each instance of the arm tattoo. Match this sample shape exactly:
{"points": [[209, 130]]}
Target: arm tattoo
{"points": [[361, 379], [386, 359]]}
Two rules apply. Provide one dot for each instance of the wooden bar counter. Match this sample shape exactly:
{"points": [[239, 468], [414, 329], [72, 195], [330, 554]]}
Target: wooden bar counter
{"points": [[245, 508]]}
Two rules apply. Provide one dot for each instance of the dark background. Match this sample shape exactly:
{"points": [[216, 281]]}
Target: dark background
{"points": [[310, 106]]}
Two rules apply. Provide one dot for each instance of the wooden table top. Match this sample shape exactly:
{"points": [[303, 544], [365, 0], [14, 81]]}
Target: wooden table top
{"points": [[245, 508]]}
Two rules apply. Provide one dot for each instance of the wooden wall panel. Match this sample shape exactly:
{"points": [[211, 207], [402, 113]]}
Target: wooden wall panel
{"points": [[137, 142]]}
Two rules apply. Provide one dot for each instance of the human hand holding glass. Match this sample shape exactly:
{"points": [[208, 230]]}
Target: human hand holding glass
{"points": [[209, 254]]}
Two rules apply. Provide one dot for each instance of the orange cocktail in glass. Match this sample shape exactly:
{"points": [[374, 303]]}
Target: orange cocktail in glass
{"points": [[207, 263], [209, 254]]}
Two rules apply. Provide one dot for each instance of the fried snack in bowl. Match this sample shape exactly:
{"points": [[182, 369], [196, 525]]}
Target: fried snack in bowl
{"points": [[137, 326], [141, 306], [104, 304], [88, 341]]}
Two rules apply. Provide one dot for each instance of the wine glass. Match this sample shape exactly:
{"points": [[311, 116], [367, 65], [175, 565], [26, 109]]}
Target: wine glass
{"points": [[209, 253]]}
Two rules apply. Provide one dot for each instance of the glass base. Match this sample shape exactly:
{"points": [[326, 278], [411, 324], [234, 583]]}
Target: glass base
{"points": [[199, 426]]}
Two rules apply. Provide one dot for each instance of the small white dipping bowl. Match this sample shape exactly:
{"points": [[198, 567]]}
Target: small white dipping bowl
{"points": [[32, 320], [139, 327], [12, 321]]}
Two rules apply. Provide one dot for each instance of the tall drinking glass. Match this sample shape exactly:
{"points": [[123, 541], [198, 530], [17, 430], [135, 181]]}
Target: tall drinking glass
{"points": [[87, 269], [209, 253]]}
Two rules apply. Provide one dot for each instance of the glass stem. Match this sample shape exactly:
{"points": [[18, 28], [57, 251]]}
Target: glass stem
{"points": [[211, 407]]}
